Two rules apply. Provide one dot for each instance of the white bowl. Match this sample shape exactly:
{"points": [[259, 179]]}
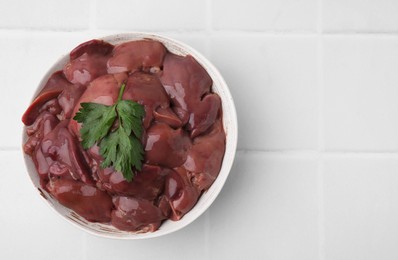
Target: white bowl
{"points": [[207, 198]]}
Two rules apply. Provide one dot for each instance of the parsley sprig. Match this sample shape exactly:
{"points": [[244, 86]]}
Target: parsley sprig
{"points": [[120, 146]]}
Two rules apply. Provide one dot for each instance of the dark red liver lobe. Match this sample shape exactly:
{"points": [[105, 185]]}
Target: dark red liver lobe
{"points": [[167, 115], [205, 157], [88, 201], [54, 86], [65, 155], [166, 146], [103, 90], [88, 61], [136, 55], [146, 89], [91, 47], [179, 193], [43, 124], [68, 99], [188, 85], [147, 184], [133, 214]]}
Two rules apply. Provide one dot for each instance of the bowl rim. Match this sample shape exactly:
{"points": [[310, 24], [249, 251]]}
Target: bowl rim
{"points": [[228, 159]]}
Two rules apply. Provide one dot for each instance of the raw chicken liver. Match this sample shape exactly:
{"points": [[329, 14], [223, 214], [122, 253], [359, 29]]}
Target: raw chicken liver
{"points": [[166, 146], [88, 201], [65, 154], [134, 214], [180, 193], [205, 157], [54, 86], [188, 85], [88, 61], [103, 90], [145, 55], [183, 135], [147, 184]]}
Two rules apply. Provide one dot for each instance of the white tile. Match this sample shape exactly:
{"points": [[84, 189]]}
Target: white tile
{"points": [[361, 208], [30, 229], [268, 15], [361, 108], [151, 15], [360, 16], [44, 14], [188, 243], [24, 60], [197, 41], [268, 209], [273, 81]]}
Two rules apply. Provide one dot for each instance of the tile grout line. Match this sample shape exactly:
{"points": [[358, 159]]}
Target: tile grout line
{"points": [[321, 134]]}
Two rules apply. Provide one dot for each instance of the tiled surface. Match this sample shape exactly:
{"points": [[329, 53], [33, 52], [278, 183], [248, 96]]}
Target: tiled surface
{"points": [[361, 86], [26, 58], [275, 79], [30, 229], [151, 15], [375, 16], [315, 86], [361, 208], [269, 205], [268, 15], [189, 243], [44, 14]]}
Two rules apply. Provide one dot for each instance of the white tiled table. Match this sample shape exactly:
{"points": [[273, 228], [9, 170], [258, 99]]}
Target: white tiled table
{"points": [[315, 84]]}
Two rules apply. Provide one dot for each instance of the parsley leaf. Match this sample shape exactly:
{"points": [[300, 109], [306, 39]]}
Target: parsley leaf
{"points": [[120, 147], [130, 114], [97, 120], [122, 151]]}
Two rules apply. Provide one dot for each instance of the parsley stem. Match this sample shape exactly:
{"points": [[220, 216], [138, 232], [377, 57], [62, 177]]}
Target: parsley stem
{"points": [[122, 87]]}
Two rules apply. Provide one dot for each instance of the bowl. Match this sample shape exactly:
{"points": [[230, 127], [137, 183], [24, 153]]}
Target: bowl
{"points": [[207, 198]]}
